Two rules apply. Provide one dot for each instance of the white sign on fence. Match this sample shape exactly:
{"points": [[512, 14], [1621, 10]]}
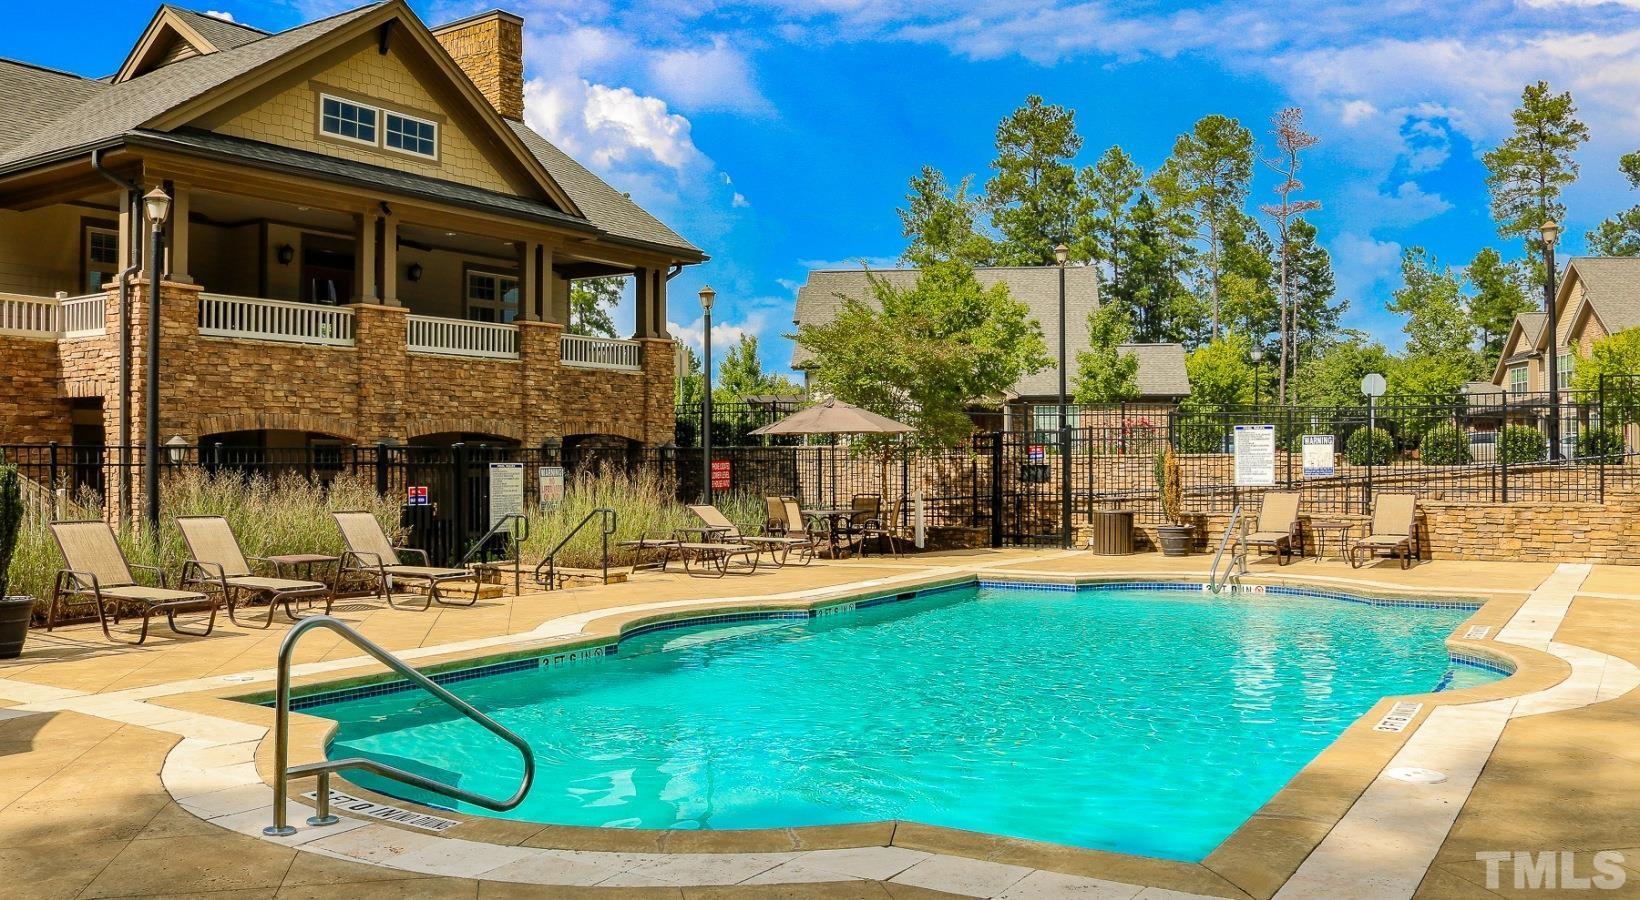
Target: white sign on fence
{"points": [[506, 491], [549, 484], [1255, 455], [1318, 456]]}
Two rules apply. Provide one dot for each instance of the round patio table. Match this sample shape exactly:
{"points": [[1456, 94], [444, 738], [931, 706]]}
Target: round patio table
{"points": [[1342, 529]]}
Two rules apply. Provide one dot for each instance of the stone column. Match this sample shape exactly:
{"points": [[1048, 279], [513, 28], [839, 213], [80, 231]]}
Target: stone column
{"points": [[182, 372], [538, 350], [384, 370], [659, 368]]}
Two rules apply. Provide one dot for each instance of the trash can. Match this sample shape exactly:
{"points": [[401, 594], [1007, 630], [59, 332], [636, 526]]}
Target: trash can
{"points": [[1112, 532]]}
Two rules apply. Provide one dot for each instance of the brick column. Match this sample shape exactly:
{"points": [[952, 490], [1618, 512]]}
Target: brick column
{"points": [[659, 369], [539, 360], [384, 370]]}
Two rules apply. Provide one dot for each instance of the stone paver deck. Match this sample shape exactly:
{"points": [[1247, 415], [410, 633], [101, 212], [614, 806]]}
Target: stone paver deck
{"points": [[98, 741]]}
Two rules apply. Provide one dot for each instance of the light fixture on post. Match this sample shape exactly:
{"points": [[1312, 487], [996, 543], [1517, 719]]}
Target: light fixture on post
{"points": [[707, 298], [1550, 231], [157, 206], [1062, 255], [1257, 357]]}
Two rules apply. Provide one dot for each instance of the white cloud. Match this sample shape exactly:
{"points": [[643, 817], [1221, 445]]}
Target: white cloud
{"points": [[853, 262], [712, 77], [739, 201], [219, 14], [724, 333], [610, 127], [1362, 263]]}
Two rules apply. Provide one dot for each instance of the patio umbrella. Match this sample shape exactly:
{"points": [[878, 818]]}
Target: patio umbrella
{"points": [[833, 416]]}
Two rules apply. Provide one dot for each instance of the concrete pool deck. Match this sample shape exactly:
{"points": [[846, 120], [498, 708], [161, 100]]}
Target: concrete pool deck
{"points": [[98, 742]]}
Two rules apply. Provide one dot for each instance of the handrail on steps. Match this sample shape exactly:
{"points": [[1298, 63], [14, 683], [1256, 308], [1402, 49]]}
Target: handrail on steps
{"points": [[519, 526], [283, 771], [1238, 557], [550, 564]]}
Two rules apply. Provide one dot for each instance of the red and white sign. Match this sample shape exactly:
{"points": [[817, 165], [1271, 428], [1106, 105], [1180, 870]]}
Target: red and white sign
{"points": [[416, 495], [721, 475]]}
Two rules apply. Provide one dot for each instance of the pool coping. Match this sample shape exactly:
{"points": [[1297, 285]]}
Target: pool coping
{"points": [[1255, 860]]}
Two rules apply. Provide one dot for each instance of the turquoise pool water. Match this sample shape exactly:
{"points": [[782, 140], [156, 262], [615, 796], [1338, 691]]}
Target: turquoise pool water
{"points": [[1141, 721]]}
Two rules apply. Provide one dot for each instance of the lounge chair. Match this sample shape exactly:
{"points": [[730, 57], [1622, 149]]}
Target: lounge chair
{"points": [[216, 561], [96, 571], [716, 555], [1394, 529], [1277, 526], [779, 547], [369, 552]]}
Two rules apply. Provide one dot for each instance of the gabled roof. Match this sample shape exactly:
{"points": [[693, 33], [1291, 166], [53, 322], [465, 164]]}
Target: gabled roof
{"points": [[1521, 343], [1161, 369], [33, 96], [1611, 287], [222, 34], [1531, 328]]}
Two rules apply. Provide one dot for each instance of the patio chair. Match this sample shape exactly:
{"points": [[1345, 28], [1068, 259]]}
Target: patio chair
{"points": [[1277, 527], [369, 552], [1394, 529], [794, 524], [851, 532], [779, 547], [216, 561], [886, 527], [96, 571]]}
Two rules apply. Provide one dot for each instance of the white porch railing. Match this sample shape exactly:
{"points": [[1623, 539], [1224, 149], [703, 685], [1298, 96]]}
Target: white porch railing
{"points": [[49, 318], [599, 353], [275, 320], [82, 316], [458, 337]]}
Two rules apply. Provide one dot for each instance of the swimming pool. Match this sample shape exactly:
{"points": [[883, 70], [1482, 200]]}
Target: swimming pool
{"points": [[1140, 719]]}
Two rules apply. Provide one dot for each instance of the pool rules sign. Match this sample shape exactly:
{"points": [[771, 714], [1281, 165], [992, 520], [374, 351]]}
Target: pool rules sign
{"points": [[1255, 455]]}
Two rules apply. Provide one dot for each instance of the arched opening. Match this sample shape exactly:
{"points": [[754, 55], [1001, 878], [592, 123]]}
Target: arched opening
{"points": [[598, 454], [272, 451], [446, 439]]}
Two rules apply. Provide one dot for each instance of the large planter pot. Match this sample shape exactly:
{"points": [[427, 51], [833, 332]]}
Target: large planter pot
{"points": [[15, 613], [1176, 539]]}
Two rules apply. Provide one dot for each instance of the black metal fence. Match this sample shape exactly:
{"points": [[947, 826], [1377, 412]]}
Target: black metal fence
{"points": [[733, 423]]}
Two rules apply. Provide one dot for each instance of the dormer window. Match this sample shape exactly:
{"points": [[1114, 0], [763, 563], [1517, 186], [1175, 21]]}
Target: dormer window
{"points": [[349, 120], [411, 135]]}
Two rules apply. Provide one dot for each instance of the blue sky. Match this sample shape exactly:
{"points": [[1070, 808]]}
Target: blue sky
{"points": [[779, 134]]}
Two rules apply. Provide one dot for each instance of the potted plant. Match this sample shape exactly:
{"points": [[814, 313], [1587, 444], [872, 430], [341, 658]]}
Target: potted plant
{"points": [[15, 612], [1176, 537]]}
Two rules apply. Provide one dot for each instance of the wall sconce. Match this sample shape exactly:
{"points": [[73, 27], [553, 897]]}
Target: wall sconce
{"points": [[414, 272], [177, 449], [285, 254]]}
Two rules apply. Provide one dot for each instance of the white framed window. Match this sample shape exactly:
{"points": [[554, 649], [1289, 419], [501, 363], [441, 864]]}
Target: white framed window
{"points": [[1517, 380], [492, 297], [408, 134], [347, 120], [102, 257], [1564, 366]]}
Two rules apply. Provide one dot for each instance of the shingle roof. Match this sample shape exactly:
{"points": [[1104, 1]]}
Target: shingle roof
{"points": [[1613, 286], [604, 206], [1161, 366], [222, 34], [1531, 326], [120, 108], [33, 97]]}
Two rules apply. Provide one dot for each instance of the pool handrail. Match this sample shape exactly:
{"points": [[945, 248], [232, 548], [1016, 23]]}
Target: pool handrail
{"points": [[1238, 557], [283, 771]]}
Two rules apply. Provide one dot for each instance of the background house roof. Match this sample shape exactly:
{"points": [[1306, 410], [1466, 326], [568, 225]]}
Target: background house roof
{"points": [[1161, 366], [1612, 284], [222, 34]]}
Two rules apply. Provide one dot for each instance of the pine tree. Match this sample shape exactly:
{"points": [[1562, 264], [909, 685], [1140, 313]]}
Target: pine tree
{"points": [[1033, 194], [1620, 234], [1208, 174], [1499, 296], [942, 222], [1104, 216], [1291, 142], [1528, 171], [1315, 312], [1150, 287]]}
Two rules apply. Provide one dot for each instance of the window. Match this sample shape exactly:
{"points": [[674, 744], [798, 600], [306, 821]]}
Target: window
{"points": [[102, 257], [347, 120], [1564, 366], [491, 297], [411, 135], [1517, 380]]}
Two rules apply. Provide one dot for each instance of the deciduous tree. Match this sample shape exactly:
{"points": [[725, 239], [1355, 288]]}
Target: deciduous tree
{"points": [[590, 303], [1499, 296], [1291, 142], [741, 375], [1105, 373]]}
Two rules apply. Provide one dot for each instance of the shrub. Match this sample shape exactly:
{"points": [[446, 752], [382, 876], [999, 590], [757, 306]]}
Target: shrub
{"points": [[1521, 444], [1170, 486], [1445, 445], [1369, 447], [1600, 444]]}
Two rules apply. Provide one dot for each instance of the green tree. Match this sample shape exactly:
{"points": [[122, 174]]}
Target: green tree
{"points": [[1105, 373], [1620, 234], [1221, 374], [1333, 377], [923, 353], [942, 222], [1033, 195], [1151, 284], [1291, 142], [1431, 298], [1614, 355], [1247, 290], [1208, 173], [590, 302], [1104, 218], [1499, 296], [1528, 171], [741, 375], [1312, 291]]}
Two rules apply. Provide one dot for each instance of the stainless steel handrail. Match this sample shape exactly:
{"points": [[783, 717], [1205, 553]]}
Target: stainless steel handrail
{"points": [[549, 563], [1238, 556], [283, 771], [519, 527]]}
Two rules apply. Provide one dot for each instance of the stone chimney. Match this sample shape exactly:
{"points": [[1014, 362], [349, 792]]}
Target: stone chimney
{"points": [[489, 47]]}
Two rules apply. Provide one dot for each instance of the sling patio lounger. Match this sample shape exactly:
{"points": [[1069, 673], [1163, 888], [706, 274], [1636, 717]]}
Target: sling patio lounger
{"points": [[370, 552], [716, 555], [96, 571], [215, 560], [1394, 529], [1277, 525], [779, 547]]}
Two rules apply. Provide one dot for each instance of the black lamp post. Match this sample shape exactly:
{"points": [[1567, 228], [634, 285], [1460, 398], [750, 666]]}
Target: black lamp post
{"points": [[1061, 254], [1258, 369], [707, 295], [1551, 235], [157, 206]]}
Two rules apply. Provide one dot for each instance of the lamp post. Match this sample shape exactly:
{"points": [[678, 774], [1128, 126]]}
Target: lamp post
{"points": [[157, 206], [1061, 255], [1258, 369], [707, 296], [1551, 235]]}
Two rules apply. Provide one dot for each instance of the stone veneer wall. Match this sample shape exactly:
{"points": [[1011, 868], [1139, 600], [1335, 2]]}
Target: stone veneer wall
{"points": [[373, 391], [490, 49]]}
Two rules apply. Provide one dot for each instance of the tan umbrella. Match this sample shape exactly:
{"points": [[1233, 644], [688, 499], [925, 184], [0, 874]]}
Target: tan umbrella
{"points": [[833, 416]]}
